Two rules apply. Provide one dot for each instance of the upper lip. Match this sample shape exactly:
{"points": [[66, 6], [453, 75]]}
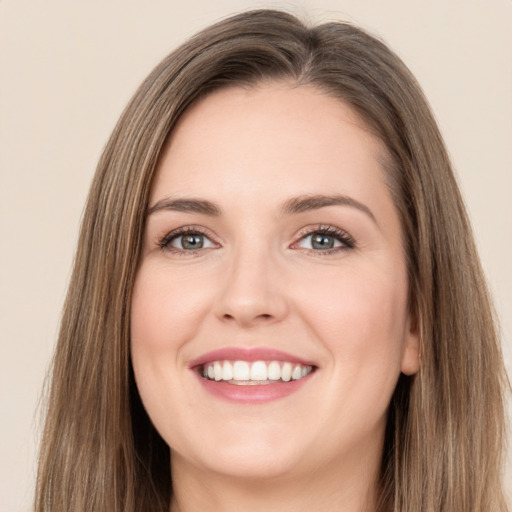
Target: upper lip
{"points": [[247, 354]]}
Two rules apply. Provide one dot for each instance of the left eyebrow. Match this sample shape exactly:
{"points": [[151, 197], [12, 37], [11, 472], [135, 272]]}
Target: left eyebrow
{"points": [[314, 202], [189, 205]]}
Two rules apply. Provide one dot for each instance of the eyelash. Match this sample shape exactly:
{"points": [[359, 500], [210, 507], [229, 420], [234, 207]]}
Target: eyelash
{"points": [[346, 240], [165, 243], [342, 236]]}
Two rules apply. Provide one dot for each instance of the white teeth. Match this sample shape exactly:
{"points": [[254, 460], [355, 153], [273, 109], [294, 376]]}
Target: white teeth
{"points": [[245, 373], [241, 371], [259, 370], [286, 372], [274, 371], [227, 371], [217, 370], [297, 373]]}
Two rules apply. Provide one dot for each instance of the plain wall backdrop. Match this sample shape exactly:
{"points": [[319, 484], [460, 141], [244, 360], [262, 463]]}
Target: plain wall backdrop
{"points": [[67, 69]]}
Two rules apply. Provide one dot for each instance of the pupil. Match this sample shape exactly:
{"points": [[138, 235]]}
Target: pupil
{"points": [[322, 242], [192, 241]]}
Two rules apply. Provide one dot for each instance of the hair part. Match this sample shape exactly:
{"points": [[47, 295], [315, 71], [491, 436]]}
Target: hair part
{"points": [[445, 432]]}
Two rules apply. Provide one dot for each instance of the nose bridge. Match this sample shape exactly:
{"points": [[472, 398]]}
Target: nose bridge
{"points": [[253, 290]]}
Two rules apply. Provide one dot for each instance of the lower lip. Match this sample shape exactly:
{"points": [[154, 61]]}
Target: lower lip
{"points": [[253, 393]]}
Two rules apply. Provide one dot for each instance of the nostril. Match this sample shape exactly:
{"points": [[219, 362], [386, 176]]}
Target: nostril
{"points": [[228, 316]]}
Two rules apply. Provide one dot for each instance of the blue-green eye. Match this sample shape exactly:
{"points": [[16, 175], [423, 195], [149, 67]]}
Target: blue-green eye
{"points": [[326, 239], [322, 242], [319, 241], [186, 240], [189, 241]]}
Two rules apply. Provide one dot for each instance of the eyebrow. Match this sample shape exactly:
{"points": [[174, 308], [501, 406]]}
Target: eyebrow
{"points": [[293, 206], [186, 205], [314, 202]]}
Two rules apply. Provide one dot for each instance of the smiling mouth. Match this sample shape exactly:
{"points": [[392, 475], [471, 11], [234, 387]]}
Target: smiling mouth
{"points": [[255, 373]]}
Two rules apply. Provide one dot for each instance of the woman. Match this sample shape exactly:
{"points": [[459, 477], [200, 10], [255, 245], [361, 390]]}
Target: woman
{"points": [[276, 302]]}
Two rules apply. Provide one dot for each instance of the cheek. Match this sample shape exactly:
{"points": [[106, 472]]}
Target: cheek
{"points": [[361, 319], [165, 309], [164, 317]]}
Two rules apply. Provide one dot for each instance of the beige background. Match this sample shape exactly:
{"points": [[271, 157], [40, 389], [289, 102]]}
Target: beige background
{"points": [[68, 67]]}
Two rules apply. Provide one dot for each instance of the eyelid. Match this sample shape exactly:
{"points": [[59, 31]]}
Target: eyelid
{"points": [[164, 242], [347, 241]]}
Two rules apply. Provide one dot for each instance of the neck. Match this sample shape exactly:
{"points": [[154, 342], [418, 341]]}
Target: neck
{"points": [[324, 490]]}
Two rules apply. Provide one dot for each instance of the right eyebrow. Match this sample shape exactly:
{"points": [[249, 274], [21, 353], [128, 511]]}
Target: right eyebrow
{"points": [[315, 202], [186, 205]]}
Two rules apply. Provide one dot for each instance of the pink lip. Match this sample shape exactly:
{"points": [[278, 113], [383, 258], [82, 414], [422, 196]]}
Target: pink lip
{"points": [[249, 394], [252, 394], [247, 354]]}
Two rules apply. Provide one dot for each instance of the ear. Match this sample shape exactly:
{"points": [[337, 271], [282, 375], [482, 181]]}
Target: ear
{"points": [[411, 351]]}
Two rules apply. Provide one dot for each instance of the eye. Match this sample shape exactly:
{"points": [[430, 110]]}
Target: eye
{"points": [[186, 240], [191, 241], [326, 239]]}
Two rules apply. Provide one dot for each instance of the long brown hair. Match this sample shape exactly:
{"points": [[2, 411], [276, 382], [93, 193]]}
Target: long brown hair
{"points": [[443, 447]]}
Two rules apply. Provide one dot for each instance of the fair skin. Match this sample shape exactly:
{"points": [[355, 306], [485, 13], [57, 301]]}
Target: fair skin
{"points": [[261, 269]]}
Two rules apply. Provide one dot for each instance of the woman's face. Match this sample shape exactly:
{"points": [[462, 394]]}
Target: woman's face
{"points": [[273, 264]]}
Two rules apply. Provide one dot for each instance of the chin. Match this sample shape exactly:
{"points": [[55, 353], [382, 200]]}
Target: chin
{"points": [[251, 465], [253, 456]]}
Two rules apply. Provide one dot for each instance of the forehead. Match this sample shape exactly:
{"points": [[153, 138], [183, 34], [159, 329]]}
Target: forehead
{"points": [[272, 139]]}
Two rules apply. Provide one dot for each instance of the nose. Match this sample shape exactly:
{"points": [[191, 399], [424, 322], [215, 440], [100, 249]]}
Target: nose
{"points": [[254, 290]]}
